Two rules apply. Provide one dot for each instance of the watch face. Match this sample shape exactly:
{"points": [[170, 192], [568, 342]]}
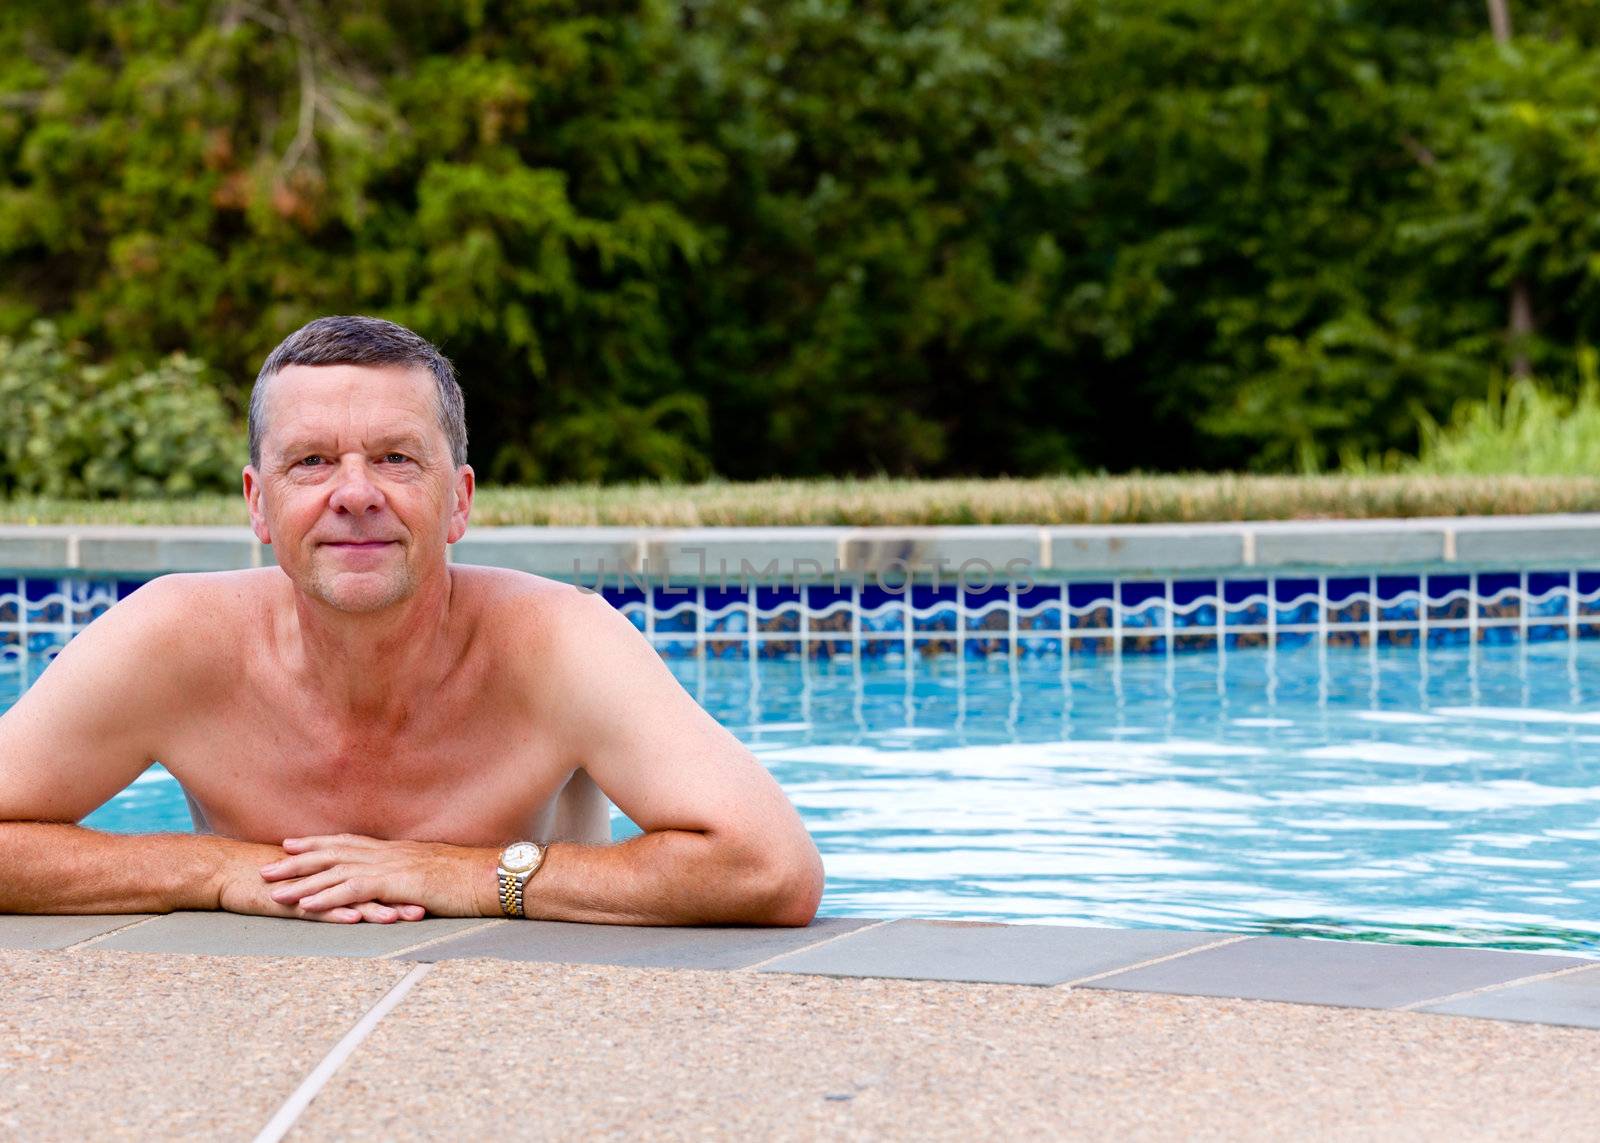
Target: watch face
{"points": [[520, 857]]}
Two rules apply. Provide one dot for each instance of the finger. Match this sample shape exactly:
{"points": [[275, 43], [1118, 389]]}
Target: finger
{"points": [[377, 912], [343, 916], [349, 892], [404, 912], [325, 841], [289, 892], [300, 865]]}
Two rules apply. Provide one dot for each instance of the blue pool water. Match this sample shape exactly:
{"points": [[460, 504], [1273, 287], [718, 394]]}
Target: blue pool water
{"points": [[1451, 796]]}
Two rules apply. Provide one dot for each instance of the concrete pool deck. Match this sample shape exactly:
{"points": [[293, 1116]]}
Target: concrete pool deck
{"points": [[238, 1027]]}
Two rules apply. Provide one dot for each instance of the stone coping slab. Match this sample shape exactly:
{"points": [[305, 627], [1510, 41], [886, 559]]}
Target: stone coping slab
{"points": [[1534, 987], [1348, 974], [1571, 998], [817, 554], [979, 951], [231, 934], [639, 946], [42, 932]]}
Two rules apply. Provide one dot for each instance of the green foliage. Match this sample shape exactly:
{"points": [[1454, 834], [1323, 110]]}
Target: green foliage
{"points": [[894, 291], [665, 237], [72, 429], [1525, 428], [663, 441]]}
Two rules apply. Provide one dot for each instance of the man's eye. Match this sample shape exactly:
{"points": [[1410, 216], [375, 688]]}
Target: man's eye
{"points": [[310, 461], [396, 457]]}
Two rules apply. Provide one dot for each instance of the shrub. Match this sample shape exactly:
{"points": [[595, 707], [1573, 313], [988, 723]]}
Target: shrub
{"points": [[73, 428], [1525, 429]]}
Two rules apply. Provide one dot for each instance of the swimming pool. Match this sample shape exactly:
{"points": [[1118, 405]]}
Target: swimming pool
{"points": [[1443, 794]]}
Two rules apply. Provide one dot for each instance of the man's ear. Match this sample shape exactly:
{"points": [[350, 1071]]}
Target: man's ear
{"points": [[465, 484], [252, 497]]}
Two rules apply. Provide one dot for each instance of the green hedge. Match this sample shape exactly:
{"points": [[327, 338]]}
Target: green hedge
{"points": [[665, 238], [69, 428]]}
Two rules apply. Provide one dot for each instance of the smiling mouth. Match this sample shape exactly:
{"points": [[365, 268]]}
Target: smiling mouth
{"points": [[357, 545]]}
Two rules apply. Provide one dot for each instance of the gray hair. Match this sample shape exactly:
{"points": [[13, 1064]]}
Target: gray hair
{"points": [[363, 341]]}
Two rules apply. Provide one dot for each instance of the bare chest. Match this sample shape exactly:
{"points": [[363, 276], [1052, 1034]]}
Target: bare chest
{"points": [[263, 772]]}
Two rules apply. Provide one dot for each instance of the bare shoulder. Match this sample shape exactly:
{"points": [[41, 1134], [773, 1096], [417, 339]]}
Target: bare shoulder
{"points": [[541, 621], [106, 705], [187, 595], [182, 620]]}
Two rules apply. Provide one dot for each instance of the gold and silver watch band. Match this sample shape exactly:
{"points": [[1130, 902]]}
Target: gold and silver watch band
{"points": [[518, 862], [511, 893]]}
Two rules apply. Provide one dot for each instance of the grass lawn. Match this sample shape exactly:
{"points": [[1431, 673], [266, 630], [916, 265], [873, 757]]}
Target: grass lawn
{"points": [[1050, 500]]}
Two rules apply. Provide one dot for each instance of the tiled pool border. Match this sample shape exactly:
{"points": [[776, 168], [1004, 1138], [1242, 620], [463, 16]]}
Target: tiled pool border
{"points": [[977, 592], [1485, 983]]}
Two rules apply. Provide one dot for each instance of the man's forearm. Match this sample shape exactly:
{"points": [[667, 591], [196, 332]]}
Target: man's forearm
{"points": [[669, 877], [664, 877], [49, 867]]}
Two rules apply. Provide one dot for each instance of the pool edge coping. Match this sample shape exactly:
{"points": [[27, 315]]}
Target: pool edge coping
{"points": [[1050, 551], [677, 948]]}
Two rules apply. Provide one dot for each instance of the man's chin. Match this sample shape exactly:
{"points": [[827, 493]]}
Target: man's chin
{"points": [[359, 593]]}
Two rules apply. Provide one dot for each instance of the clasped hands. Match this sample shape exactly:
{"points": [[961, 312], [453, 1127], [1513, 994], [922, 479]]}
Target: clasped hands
{"points": [[346, 878]]}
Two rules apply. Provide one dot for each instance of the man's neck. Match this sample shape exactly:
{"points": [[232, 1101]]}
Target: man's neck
{"points": [[371, 667]]}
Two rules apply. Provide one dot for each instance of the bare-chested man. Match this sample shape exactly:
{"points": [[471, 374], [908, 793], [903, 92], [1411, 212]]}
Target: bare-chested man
{"points": [[364, 730]]}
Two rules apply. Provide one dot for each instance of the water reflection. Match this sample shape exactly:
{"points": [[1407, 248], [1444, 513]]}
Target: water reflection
{"points": [[1377, 793]]}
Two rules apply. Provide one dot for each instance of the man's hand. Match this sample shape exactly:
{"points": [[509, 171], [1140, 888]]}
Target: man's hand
{"points": [[242, 890], [344, 871]]}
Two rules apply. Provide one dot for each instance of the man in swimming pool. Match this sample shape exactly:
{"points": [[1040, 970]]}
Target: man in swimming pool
{"points": [[368, 733]]}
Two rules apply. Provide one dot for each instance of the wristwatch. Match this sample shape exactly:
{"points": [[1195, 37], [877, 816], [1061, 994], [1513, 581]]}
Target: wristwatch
{"points": [[518, 861]]}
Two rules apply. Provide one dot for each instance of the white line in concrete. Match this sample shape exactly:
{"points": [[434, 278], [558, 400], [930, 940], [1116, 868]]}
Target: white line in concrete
{"points": [[439, 940], [1151, 961], [1504, 984], [98, 937], [818, 945], [278, 1126]]}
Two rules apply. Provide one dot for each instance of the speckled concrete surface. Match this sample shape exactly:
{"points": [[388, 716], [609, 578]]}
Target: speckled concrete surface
{"points": [[108, 1045], [486, 1049]]}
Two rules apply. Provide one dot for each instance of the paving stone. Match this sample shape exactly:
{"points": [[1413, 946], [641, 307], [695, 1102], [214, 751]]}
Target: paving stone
{"points": [[103, 1046], [942, 551], [1133, 549], [1573, 999], [56, 932], [32, 548], [991, 953], [157, 550], [1121, 549], [1371, 543], [565, 553], [1527, 540], [640, 946], [225, 934], [737, 556], [1350, 973]]}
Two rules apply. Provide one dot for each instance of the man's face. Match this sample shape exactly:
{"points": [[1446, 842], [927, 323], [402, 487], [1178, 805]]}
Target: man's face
{"points": [[356, 491]]}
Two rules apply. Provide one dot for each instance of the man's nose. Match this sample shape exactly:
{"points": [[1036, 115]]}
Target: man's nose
{"points": [[354, 490]]}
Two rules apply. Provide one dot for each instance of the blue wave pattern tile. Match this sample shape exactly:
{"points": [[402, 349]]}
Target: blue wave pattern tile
{"points": [[1024, 620], [38, 616]]}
